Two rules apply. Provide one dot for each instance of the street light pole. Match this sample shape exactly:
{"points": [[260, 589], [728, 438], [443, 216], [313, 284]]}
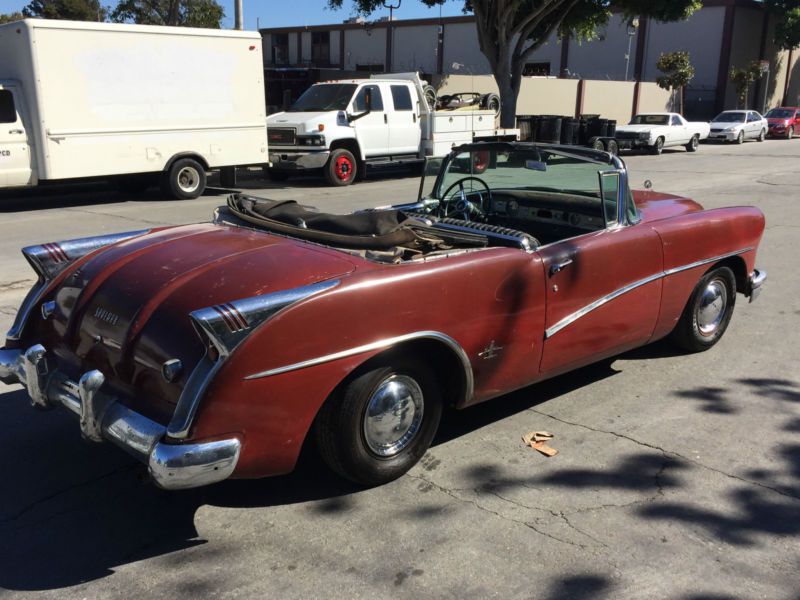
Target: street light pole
{"points": [[633, 25], [237, 12], [390, 33]]}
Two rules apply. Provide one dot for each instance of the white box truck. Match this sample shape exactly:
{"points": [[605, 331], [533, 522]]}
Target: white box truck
{"points": [[136, 104]]}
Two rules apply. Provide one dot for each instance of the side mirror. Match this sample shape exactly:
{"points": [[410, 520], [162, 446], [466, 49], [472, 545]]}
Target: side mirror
{"points": [[367, 106]]}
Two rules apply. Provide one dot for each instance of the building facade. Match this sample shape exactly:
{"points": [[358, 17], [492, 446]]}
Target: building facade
{"points": [[721, 35]]}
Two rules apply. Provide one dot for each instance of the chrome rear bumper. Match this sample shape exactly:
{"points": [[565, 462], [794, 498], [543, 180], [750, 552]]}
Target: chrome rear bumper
{"points": [[172, 466]]}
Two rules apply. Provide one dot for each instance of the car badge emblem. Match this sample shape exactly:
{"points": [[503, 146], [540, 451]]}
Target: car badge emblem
{"points": [[490, 351], [106, 316]]}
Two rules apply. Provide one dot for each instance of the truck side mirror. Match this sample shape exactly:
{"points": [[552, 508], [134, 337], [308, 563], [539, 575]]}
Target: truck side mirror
{"points": [[367, 106]]}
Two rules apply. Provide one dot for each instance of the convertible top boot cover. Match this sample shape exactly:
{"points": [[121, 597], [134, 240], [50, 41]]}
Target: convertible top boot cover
{"points": [[373, 230]]}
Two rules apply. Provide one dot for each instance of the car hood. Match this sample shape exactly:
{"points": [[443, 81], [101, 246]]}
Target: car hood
{"points": [[655, 206], [634, 128], [726, 125], [125, 309], [305, 122], [777, 121]]}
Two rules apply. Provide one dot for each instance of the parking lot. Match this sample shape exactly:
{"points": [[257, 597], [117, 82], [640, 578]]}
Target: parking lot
{"points": [[677, 476]]}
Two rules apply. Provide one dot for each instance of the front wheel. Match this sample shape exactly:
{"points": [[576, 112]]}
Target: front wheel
{"points": [[341, 168], [376, 427], [762, 135], [740, 138], [790, 134], [184, 180], [658, 147], [693, 144], [708, 312]]}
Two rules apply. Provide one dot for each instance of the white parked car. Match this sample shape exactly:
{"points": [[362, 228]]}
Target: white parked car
{"points": [[738, 126], [656, 131]]}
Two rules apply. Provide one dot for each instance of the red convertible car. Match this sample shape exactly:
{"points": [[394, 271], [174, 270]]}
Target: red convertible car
{"points": [[216, 350]]}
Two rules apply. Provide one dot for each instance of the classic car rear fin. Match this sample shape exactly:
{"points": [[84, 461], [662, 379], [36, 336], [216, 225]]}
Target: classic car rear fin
{"points": [[225, 326], [49, 260]]}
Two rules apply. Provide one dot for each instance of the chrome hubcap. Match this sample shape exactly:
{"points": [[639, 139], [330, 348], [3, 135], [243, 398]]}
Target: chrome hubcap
{"points": [[393, 416], [188, 179], [712, 306]]}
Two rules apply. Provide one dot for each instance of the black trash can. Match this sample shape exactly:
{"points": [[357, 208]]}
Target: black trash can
{"points": [[612, 127], [583, 131], [548, 129], [569, 130], [597, 127], [524, 126]]}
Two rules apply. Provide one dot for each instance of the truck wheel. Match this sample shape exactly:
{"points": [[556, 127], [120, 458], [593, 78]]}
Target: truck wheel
{"points": [[612, 147], [341, 168], [693, 144], [658, 147], [185, 179], [598, 145], [376, 427]]}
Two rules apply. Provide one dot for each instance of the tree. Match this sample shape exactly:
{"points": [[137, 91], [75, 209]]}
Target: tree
{"points": [[71, 10], [510, 31], [677, 73], [787, 27], [185, 13], [742, 78], [10, 17]]}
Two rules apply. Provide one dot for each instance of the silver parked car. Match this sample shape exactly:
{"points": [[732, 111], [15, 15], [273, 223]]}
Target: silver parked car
{"points": [[738, 126]]}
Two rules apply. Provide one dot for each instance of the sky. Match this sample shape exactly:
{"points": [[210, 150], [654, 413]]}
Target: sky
{"points": [[283, 13]]}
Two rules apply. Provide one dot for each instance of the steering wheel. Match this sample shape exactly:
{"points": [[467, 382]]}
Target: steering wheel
{"points": [[463, 206]]}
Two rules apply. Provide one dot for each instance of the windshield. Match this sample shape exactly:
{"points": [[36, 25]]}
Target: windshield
{"points": [[729, 117], [780, 113], [522, 169], [650, 120], [323, 97]]}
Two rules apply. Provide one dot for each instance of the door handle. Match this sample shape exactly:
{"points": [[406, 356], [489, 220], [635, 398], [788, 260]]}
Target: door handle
{"points": [[385, 118], [557, 267], [19, 131]]}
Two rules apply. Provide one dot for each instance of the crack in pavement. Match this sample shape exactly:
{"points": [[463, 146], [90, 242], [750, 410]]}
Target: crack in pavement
{"points": [[669, 453], [113, 216], [38, 502], [18, 284]]}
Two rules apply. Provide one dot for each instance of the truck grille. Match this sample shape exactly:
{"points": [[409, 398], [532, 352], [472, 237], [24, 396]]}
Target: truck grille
{"points": [[281, 136], [627, 135]]}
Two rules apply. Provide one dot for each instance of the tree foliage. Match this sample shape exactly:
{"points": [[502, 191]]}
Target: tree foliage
{"points": [[10, 17], [510, 31], [743, 78], [787, 28], [677, 71], [186, 13], [71, 10]]}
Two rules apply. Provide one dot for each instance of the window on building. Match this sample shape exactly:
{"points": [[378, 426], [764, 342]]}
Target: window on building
{"points": [[360, 103], [537, 69], [401, 98], [280, 48], [370, 68], [321, 48], [8, 113]]}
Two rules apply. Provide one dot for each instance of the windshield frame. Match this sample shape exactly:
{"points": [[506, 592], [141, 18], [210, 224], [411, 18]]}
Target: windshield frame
{"points": [[625, 216]]}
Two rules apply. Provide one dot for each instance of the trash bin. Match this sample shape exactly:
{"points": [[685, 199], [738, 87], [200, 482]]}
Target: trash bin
{"points": [[548, 129], [612, 127], [569, 130], [597, 127], [524, 126]]}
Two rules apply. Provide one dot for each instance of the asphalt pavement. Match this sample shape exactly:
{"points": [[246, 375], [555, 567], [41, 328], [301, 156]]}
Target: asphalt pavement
{"points": [[678, 476]]}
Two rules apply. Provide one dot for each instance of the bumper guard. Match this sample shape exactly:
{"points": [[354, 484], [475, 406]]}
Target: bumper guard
{"points": [[172, 466], [755, 282]]}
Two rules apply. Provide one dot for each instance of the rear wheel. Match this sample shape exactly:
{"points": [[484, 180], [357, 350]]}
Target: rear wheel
{"points": [[378, 426], [612, 147], [185, 179], [341, 167], [693, 144], [708, 312]]}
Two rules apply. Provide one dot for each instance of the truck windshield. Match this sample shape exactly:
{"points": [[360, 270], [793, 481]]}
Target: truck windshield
{"points": [[650, 120], [328, 96]]}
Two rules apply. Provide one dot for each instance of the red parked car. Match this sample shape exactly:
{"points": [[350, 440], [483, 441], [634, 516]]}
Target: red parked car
{"points": [[783, 122], [215, 350]]}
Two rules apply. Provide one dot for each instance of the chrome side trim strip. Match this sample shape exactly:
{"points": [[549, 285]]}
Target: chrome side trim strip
{"points": [[380, 345], [569, 319]]}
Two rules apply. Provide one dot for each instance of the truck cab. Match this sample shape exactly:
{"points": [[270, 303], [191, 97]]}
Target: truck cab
{"points": [[339, 125], [16, 162]]}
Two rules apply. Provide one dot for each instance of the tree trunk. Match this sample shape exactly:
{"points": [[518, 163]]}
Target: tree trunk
{"points": [[508, 97]]}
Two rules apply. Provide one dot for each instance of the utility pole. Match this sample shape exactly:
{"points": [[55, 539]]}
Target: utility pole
{"points": [[237, 11], [390, 34]]}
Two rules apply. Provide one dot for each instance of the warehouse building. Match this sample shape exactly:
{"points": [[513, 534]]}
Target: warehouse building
{"points": [[721, 35]]}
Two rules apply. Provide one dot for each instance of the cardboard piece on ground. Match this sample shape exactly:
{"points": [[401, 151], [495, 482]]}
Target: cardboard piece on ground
{"points": [[544, 448], [538, 441]]}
